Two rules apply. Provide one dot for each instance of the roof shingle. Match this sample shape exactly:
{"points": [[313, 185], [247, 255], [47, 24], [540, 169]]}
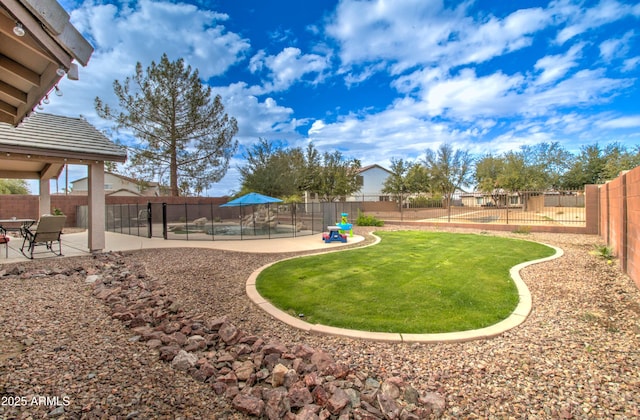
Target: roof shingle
{"points": [[56, 135]]}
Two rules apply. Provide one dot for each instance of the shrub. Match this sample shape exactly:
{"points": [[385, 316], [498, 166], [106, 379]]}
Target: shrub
{"points": [[425, 202], [364, 220], [604, 251], [524, 230]]}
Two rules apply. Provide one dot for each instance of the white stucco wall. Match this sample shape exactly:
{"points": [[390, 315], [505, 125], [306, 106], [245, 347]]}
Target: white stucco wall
{"points": [[372, 183]]}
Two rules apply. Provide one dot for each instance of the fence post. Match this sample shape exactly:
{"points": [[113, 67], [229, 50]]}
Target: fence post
{"points": [[213, 229], [506, 208], [592, 209], [149, 219], [608, 206], [624, 233], [186, 219], [164, 220]]}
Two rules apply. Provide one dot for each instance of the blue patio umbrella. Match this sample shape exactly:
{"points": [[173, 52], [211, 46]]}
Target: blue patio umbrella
{"points": [[251, 199]]}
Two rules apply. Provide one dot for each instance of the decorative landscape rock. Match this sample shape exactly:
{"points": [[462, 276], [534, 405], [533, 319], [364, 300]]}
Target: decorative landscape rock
{"points": [[575, 356], [259, 378], [184, 360]]}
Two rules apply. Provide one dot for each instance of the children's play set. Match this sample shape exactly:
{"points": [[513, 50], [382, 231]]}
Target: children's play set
{"points": [[338, 233]]}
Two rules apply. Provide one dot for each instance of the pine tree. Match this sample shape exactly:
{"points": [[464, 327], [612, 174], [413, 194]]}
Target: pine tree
{"points": [[178, 126]]}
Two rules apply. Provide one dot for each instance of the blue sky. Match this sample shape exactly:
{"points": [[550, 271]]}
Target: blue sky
{"points": [[382, 79]]}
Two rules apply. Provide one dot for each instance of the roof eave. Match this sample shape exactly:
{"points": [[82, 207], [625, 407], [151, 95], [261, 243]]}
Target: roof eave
{"points": [[48, 153]]}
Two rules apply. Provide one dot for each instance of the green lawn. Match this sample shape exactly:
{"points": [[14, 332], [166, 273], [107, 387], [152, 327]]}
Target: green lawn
{"points": [[411, 282]]}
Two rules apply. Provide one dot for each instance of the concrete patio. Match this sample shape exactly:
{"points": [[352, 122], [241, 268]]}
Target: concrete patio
{"points": [[74, 244]]}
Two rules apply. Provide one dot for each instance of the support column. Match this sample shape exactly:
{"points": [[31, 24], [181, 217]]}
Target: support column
{"points": [[592, 209], [44, 206], [96, 207]]}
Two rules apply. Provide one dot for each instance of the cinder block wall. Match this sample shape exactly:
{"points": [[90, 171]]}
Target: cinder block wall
{"points": [[620, 220], [19, 206], [633, 225]]}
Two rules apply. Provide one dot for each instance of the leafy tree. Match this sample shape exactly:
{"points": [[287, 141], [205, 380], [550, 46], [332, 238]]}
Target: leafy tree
{"points": [[396, 183], [14, 186], [418, 179], [337, 177], [271, 169], [180, 127], [488, 172], [546, 163], [595, 165], [449, 170], [537, 167], [619, 158], [280, 172], [514, 175], [309, 180], [588, 168]]}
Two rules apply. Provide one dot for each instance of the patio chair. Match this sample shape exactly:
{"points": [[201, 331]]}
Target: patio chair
{"points": [[4, 239], [47, 232]]}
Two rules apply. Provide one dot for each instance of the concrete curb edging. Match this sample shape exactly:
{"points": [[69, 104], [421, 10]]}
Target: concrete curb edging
{"points": [[517, 317]]}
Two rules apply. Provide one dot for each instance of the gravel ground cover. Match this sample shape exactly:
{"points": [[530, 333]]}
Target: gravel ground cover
{"points": [[576, 356]]}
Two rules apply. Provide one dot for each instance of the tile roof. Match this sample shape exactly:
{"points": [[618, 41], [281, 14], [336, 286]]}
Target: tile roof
{"points": [[60, 136], [375, 165]]}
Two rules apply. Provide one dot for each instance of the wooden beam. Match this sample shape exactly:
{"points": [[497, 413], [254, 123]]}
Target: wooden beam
{"points": [[8, 109], [34, 26], [6, 28], [13, 92], [5, 118], [19, 175], [50, 171], [19, 70]]}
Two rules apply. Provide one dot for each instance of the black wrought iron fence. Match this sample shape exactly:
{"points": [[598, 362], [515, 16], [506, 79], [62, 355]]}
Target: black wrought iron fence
{"points": [[213, 222], [529, 207]]}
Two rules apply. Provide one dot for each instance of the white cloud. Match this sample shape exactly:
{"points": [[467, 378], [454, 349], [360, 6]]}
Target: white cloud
{"points": [[468, 96], [580, 20], [555, 67], [614, 48], [122, 37], [631, 64], [255, 117], [586, 87], [499, 36], [409, 33], [151, 28], [288, 67], [632, 121]]}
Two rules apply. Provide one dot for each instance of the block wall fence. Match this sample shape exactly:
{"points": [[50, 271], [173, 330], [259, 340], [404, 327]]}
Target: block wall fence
{"points": [[620, 220]]}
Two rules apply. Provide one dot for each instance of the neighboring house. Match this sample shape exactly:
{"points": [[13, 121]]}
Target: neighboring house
{"points": [[118, 185], [372, 179], [500, 198], [477, 199]]}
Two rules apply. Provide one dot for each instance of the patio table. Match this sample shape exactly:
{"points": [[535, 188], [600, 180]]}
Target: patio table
{"points": [[10, 224]]}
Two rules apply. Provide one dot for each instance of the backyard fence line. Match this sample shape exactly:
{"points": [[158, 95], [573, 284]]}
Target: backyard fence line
{"points": [[211, 221], [557, 208], [208, 221]]}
